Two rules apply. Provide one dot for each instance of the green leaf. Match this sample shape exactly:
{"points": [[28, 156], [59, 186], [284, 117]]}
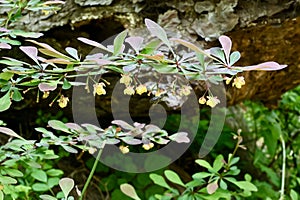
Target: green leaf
{"points": [[157, 31], [55, 172], [39, 175], [159, 180], [218, 163], [6, 180], [293, 195], [53, 182], [204, 163], [26, 34], [66, 185], [69, 149], [47, 197], [13, 172], [244, 185], [129, 191], [1, 195], [5, 102], [10, 132], [164, 68], [234, 57], [40, 187], [9, 41], [17, 96], [66, 85], [6, 75], [58, 125], [201, 175], [173, 177], [73, 52], [118, 42], [151, 47]]}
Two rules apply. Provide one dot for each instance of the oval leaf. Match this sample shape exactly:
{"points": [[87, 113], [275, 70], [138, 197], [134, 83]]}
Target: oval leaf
{"points": [[66, 185], [226, 45], [266, 66], [5, 102], [58, 125], [173, 177], [212, 187], [44, 87], [129, 191], [39, 175], [10, 132]]}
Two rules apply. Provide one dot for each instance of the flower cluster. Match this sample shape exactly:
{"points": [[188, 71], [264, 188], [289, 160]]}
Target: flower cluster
{"points": [[210, 101], [99, 89]]}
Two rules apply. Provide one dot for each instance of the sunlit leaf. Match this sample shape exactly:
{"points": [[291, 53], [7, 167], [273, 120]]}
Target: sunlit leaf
{"points": [[226, 45], [119, 42], [7, 180], [73, 52], [159, 180], [158, 31], [66, 185], [47, 197], [93, 43], [212, 187], [266, 66], [26, 34], [47, 86], [234, 57], [39, 175], [173, 177], [122, 124], [135, 42], [129, 191], [4, 46], [180, 137], [32, 52], [58, 125]]}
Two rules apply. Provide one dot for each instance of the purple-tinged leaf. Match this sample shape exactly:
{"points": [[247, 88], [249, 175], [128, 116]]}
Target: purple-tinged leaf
{"points": [[45, 87], [129, 68], [122, 124], [10, 132], [4, 46], [94, 56], [129, 191], [191, 46], [212, 187], [158, 31], [226, 45], [93, 43], [31, 52], [50, 51], [266, 66], [180, 137], [4, 30], [58, 61], [135, 42], [131, 140], [58, 125], [151, 129], [86, 125], [53, 2], [74, 126]]}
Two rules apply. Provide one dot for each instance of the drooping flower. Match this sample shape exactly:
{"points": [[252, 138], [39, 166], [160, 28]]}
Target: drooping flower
{"points": [[148, 146], [99, 89], [238, 82], [126, 79], [63, 101], [202, 100], [46, 94], [212, 101], [141, 89], [185, 90], [227, 80], [129, 90], [159, 92], [124, 149]]}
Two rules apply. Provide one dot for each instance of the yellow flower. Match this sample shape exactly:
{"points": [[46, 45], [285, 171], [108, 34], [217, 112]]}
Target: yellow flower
{"points": [[46, 94], [185, 90], [159, 92], [202, 100], [126, 79], [99, 89], [129, 90], [141, 89], [212, 101], [63, 101], [92, 150], [148, 146], [228, 80], [238, 82], [124, 149]]}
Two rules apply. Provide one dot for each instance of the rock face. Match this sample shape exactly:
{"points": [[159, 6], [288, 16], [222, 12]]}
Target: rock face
{"points": [[260, 30]]}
